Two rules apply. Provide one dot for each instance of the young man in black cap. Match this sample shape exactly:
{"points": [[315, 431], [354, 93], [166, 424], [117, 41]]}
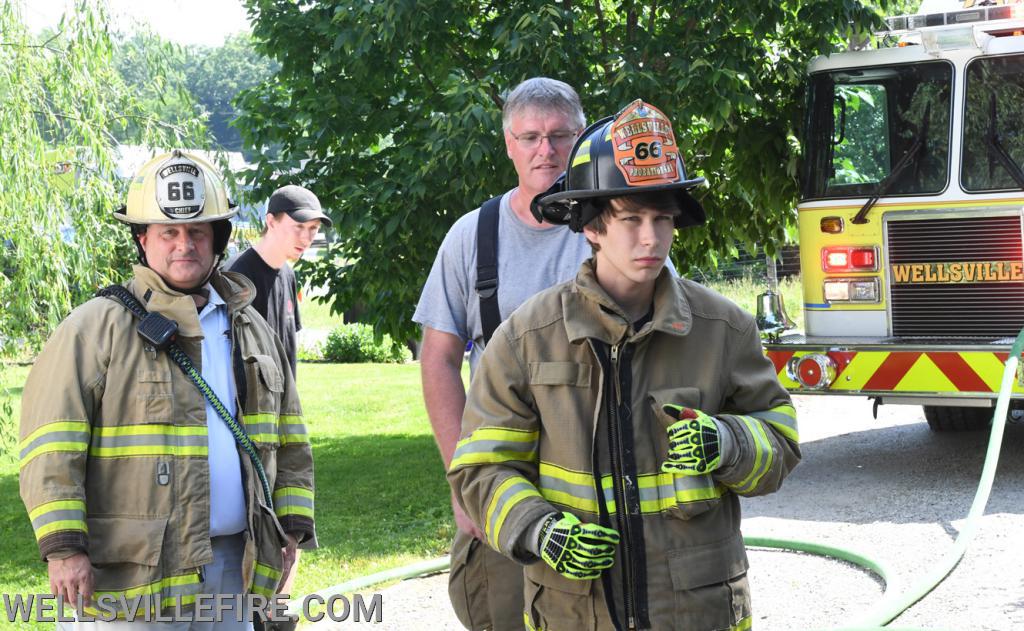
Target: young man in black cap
{"points": [[294, 217]]}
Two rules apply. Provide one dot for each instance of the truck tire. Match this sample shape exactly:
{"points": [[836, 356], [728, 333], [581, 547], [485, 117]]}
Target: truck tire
{"points": [[957, 419]]}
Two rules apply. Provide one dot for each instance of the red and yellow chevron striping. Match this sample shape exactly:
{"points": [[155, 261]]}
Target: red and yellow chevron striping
{"points": [[904, 371]]}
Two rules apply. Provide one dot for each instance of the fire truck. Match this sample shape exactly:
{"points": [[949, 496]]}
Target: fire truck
{"points": [[910, 217]]}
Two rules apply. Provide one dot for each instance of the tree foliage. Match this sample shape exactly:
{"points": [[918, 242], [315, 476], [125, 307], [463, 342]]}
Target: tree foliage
{"points": [[64, 109], [390, 111], [185, 83]]}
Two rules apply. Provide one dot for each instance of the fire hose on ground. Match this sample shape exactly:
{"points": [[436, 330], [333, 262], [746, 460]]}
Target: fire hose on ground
{"points": [[895, 600]]}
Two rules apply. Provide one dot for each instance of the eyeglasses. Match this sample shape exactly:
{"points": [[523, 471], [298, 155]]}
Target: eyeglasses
{"points": [[559, 140]]}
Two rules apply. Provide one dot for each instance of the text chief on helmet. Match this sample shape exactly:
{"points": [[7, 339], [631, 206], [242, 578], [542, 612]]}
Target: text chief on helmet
{"points": [[178, 188], [632, 153]]}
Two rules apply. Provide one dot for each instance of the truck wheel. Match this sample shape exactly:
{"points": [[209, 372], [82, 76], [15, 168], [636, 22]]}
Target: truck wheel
{"points": [[957, 419]]}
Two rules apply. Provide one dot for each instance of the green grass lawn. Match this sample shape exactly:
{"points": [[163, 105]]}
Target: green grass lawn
{"points": [[381, 496]]}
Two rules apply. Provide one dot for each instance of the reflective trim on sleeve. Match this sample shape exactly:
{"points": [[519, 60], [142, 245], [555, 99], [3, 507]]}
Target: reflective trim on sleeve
{"points": [[265, 580], [293, 500], [783, 419], [492, 445], [262, 432], [509, 493], [763, 455], [58, 515], [68, 436], [292, 430]]}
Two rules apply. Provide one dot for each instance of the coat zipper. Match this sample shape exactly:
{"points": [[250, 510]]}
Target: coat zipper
{"points": [[618, 483]]}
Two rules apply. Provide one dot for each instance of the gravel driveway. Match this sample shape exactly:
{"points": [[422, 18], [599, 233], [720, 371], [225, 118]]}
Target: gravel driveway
{"points": [[888, 487]]}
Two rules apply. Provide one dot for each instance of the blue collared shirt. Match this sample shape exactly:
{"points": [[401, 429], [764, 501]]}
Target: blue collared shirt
{"points": [[227, 500]]}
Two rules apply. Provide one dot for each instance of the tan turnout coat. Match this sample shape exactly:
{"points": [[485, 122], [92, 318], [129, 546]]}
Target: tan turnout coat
{"points": [[114, 456], [563, 414]]}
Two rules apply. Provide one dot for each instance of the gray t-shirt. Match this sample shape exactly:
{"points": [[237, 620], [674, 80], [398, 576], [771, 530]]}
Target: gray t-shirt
{"points": [[531, 258]]}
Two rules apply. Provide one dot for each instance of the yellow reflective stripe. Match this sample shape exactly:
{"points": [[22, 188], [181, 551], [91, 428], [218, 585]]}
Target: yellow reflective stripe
{"points": [[493, 445], [147, 450], [268, 572], [52, 447], [148, 439], [782, 419], [529, 624], [763, 455], [58, 516], [171, 590], [70, 524], [265, 580], [57, 426], [148, 429], [292, 430], [669, 495], [264, 438], [58, 436], [745, 625], [293, 500], [658, 491], [512, 491], [582, 154], [56, 505], [505, 434], [292, 491], [573, 489], [259, 417]]}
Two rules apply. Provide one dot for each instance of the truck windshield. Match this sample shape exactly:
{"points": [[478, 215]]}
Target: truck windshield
{"points": [[863, 121], [994, 124]]}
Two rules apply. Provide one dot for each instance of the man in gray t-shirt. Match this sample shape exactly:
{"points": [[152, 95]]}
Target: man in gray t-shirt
{"points": [[541, 119], [531, 257]]}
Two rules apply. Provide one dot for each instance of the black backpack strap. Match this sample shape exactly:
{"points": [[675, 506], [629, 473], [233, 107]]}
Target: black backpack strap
{"points": [[487, 266]]}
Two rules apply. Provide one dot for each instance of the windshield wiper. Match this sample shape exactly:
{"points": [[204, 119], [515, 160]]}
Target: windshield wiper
{"points": [[884, 185], [992, 140]]}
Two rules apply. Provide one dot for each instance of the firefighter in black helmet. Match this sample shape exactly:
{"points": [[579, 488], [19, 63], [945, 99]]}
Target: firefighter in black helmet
{"points": [[635, 152], [615, 419]]}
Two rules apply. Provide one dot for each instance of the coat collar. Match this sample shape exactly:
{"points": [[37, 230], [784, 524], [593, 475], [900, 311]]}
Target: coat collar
{"points": [[591, 313], [152, 290]]}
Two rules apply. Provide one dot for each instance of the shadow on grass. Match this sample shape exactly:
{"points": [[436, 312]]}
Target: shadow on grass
{"points": [[381, 494]]}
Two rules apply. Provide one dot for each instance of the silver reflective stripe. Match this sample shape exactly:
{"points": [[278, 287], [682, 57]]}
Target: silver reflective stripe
{"points": [[261, 428], [78, 437], [762, 456], [785, 422], [147, 440], [67, 514], [498, 507]]}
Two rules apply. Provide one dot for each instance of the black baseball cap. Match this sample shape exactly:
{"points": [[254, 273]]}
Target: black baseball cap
{"points": [[300, 204]]}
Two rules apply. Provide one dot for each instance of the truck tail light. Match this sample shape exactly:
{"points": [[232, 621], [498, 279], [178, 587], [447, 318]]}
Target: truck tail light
{"points": [[849, 259], [816, 371]]}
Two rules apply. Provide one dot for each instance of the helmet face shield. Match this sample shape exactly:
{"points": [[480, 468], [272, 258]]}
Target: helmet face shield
{"points": [[634, 152]]}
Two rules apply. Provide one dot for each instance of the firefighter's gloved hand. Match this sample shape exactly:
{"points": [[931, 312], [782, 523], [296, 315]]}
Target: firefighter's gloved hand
{"points": [[694, 442], [577, 550]]}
